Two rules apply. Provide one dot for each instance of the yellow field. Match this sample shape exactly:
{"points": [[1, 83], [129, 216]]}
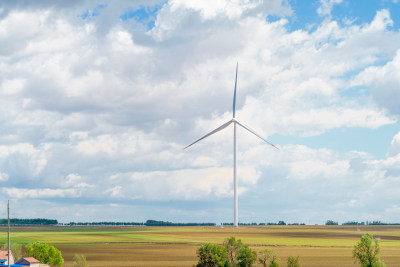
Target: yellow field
{"points": [[176, 246]]}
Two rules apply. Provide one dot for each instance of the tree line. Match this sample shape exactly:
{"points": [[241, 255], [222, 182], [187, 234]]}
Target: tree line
{"points": [[37, 221], [330, 222], [147, 223]]}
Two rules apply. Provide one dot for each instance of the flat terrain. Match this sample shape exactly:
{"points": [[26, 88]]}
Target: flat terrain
{"points": [[176, 246]]}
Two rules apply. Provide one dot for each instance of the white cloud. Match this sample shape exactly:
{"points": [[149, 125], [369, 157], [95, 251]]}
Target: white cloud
{"points": [[384, 82], [317, 169], [326, 6], [14, 86], [40, 193], [186, 184], [395, 145], [3, 177], [102, 108]]}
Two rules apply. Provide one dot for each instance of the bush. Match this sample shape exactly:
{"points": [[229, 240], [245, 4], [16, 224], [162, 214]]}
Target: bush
{"points": [[45, 253], [293, 262], [246, 256], [211, 255]]}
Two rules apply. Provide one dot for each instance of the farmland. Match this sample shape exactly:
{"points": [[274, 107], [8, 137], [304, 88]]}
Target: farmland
{"points": [[176, 246]]}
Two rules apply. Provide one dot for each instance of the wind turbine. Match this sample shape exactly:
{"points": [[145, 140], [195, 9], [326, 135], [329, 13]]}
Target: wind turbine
{"points": [[223, 126]]}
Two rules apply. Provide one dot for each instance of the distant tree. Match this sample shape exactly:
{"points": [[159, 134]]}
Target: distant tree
{"points": [[80, 261], [246, 257], [330, 222], [366, 252], [45, 253], [293, 262], [232, 247], [211, 254]]}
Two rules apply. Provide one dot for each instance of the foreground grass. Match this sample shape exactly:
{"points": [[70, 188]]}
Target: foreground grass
{"points": [[176, 246]]}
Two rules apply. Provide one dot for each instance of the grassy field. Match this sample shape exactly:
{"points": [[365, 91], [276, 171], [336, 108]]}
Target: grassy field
{"points": [[176, 246]]}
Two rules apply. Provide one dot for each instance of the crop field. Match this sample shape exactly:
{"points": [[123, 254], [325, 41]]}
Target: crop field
{"points": [[176, 246]]}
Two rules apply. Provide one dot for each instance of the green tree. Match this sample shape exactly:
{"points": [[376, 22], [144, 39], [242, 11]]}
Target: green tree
{"points": [[80, 261], [274, 263], [246, 257], [211, 254], [232, 247], [293, 262], [45, 253], [265, 256], [366, 252]]}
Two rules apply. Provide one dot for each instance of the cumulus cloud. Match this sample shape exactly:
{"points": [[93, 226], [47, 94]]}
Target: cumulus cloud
{"points": [[188, 184], [385, 83], [96, 107]]}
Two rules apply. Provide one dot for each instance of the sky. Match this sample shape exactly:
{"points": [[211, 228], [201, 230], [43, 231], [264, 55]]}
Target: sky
{"points": [[99, 98]]}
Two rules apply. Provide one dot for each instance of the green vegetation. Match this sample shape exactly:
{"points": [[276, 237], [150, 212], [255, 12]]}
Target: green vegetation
{"points": [[45, 253], [293, 261], [232, 253], [147, 223], [15, 222], [267, 257], [330, 222], [211, 255], [246, 257], [177, 246], [366, 252], [80, 261]]}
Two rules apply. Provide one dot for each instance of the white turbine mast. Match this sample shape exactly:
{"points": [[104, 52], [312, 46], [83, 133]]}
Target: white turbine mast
{"points": [[223, 126]]}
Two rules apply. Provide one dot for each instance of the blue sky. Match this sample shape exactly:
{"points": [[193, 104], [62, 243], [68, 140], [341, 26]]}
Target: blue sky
{"points": [[98, 99]]}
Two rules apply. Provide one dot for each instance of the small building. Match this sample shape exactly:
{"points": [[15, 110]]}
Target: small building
{"points": [[4, 257]]}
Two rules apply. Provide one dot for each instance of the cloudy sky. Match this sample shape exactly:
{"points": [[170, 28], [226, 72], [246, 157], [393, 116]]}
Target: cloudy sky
{"points": [[99, 98]]}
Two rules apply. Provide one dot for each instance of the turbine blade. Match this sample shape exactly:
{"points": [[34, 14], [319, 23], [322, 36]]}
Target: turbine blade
{"points": [[234, 94], [253, 132], [223, 126]]}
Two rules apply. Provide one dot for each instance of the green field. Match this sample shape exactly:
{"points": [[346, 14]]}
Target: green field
{"points": [[176, 246]]}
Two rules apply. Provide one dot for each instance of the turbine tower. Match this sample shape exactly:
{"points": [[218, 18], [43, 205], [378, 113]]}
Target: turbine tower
{"points": [[223, 126]]}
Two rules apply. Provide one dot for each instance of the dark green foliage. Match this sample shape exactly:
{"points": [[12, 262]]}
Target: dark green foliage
{"points": [[211, 255], [330, 222], [274, 263], [232, 247], [366, 252], [293, 262], [45, 253], [147, 223], [162, 223], [353, 223], [246, 257], [29, 222], [231, 254]]}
